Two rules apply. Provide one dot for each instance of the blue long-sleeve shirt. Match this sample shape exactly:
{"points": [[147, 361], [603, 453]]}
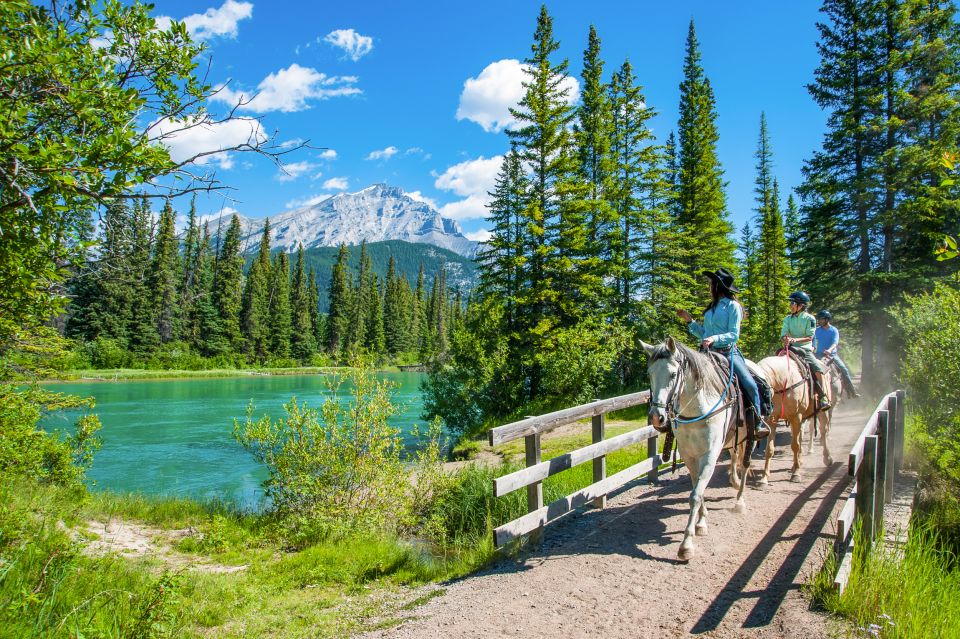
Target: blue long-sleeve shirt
{"points": [[825, 338], [721, 322]]}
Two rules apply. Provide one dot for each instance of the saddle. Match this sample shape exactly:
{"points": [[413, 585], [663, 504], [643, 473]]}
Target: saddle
{"points": [[722, 364], [805, 373]]}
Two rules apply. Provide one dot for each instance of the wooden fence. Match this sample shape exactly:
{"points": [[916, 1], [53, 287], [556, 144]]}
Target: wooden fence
{"points": [[874, 461], [537, 470]]}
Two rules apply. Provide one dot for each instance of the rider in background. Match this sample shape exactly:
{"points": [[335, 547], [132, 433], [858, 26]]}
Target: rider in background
{"points": [[797, 334], [719, 332], [826, 344]]}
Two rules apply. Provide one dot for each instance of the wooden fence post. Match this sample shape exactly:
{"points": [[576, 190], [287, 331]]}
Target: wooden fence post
{"points": [[893, 428], [901, 428], [653, 454], [866, 489], [880, 490], [534, 490], [600, 463]]}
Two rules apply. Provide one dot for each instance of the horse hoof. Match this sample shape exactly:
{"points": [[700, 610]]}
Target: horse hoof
{"points": [[701, 530], [763, 481], [795, 477], [685, 554], [740, 506]]}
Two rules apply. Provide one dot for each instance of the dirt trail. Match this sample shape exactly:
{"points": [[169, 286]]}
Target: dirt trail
{"points": [[614, 573]]}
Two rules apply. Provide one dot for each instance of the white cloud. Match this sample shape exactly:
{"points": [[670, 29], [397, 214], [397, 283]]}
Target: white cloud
{"points": [[487, 99], [420, 197], [209, 140], [472, 208], [213, 22], [472, 180], [289, 90], [336, 184], [383, 154], [329, 154], [355, 45], [481, 235], [293, 170], [473, 177], [313, 200]]}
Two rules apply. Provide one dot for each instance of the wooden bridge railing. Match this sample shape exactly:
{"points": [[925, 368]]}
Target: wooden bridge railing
{"points": [[537, 470], [874, 461]]}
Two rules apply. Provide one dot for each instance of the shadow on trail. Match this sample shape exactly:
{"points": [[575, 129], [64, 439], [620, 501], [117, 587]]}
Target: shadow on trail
{"points": [[770, 599]]}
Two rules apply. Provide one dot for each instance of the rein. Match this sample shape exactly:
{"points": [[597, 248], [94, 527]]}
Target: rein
{"points": [[672, 405]]}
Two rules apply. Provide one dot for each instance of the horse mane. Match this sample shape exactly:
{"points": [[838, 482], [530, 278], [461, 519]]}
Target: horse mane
{"points": [[698, 363]]}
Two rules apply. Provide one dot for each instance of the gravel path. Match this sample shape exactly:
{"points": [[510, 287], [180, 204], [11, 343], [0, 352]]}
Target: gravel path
{"points": [[614, 573]]}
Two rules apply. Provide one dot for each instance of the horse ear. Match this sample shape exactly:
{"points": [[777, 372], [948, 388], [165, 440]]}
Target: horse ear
{"points": [[671, 344], [649, 348]]}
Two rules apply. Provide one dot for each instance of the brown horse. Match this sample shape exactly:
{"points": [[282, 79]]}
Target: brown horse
{"points": [[794, 403]]}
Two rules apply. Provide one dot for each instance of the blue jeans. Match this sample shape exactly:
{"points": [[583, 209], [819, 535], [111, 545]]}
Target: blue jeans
{"points": [[750, 392]]}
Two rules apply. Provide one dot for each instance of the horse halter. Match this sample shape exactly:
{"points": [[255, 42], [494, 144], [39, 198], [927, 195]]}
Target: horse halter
{"points": [[671, 408]]}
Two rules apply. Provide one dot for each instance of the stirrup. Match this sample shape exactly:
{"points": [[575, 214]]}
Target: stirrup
{"points": [[760, 430]]}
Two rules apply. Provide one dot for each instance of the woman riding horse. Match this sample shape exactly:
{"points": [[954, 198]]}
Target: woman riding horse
{"points": [[719, 332]]}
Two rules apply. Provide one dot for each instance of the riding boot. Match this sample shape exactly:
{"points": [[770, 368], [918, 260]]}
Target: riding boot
{"points": [[757, 429], [848, 386], [822, 403]]}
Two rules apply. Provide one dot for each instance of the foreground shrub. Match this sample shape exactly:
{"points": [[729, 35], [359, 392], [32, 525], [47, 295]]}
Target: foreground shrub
{"points": [[930, 325], [337, 470]]}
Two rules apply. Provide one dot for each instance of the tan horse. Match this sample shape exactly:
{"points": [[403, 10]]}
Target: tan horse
{"points": [[794, 403]]}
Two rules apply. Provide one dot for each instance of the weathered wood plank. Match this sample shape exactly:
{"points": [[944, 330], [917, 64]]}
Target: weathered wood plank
{"points": [[653, 454], [846, 516], [546, 423], [536, 520], [539, 472], [870, 428], [866, 488], [843, 572], [898, 447], [534, 490]]}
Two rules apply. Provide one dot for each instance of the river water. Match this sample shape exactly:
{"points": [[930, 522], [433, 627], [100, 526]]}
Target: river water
{"points": [[174, 437]]}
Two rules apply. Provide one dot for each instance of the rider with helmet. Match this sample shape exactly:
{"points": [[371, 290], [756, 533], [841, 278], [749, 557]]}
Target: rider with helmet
{"points": [[719, 332], [797, 334], [826, 343]]}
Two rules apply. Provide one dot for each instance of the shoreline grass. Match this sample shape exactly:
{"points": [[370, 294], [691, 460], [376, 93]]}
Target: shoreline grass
{"points": [[127, 374]]}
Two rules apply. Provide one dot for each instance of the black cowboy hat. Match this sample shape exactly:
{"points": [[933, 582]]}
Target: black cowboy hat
{"points": [[723, 277]]}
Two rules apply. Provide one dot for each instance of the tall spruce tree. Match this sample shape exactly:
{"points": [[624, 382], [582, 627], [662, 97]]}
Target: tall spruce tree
{"points": [[302, 341], [228, 285], [701, 201], [280, 314], [255, 303], [340, 302], [164, 276], [143, 338]]}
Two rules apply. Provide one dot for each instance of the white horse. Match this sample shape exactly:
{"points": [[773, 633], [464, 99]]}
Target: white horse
{"points": [[684, 384], [793, 403]]}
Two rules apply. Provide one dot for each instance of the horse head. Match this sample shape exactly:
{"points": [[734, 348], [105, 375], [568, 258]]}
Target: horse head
{"points": [[665, 368]]}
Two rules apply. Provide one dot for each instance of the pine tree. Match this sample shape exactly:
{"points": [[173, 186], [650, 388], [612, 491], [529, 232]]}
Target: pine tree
{"points": [[701, 201], [209, 333], [791, 231], [339, 313], [316, 320], [361, 299], [280, 313], [302, 341], [374, 338], [186, 290], [750, 295], [142, 328], [163, 277], [542, 141], [228, 286], [255, 303], [395, 319]]}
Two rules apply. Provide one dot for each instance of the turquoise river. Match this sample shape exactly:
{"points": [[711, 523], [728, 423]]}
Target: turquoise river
{"points": [[174, 437]]}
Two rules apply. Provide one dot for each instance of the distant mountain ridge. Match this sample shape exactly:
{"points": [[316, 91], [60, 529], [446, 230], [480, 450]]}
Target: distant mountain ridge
{"points": [[375, 214]]}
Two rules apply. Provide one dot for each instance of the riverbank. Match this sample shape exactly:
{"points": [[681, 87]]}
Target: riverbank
{"points": [[125, 374]]}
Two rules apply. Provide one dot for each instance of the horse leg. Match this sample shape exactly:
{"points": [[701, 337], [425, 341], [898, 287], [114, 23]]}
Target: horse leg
{"points": [[811, 433], [735, 455], [796, 437], [701, 528], [826, 417], [768, 454], [707, 464]]}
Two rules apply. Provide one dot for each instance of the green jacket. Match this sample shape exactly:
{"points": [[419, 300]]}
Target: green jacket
{"points": [[799, 325]]}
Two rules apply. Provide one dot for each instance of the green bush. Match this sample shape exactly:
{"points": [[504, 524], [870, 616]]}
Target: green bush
{"points": [[106, 353], [338, 470], [930, 369]]}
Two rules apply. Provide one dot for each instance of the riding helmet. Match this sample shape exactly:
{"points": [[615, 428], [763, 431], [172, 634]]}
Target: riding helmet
{"points": [[799, 297], [825, 314]]}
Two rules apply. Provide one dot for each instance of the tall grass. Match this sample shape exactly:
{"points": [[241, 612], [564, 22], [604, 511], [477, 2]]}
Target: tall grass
{"points": [[907, 595]]}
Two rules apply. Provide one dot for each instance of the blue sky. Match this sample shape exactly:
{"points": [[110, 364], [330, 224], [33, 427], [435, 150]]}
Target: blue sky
{"points": [[415, 94]]}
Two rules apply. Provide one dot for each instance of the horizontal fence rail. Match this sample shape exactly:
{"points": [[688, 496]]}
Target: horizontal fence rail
{"points": [[874, 461], [537, 470]]}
